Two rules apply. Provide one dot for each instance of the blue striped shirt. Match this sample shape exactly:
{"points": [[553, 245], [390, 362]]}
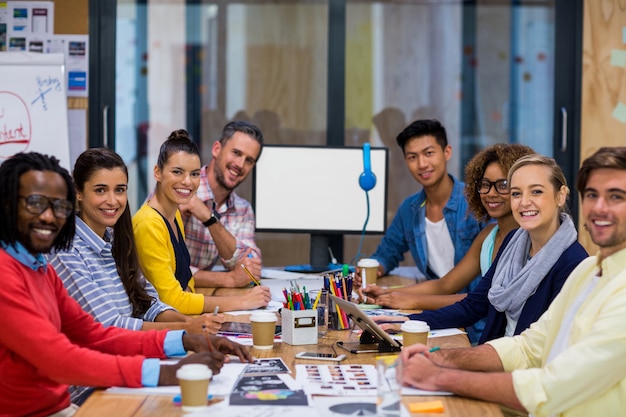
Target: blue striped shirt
{"points": [[90, 276]]}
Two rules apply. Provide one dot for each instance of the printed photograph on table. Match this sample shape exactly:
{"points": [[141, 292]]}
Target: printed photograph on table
{"points": [[267, 366], [266, 390]]}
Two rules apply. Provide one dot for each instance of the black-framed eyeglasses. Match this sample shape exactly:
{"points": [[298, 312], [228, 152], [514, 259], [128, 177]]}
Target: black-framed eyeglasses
{"points": [[484, 186], [37, 204]]}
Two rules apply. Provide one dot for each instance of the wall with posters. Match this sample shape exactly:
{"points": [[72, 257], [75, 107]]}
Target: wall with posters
{"points": [[58, 26]]}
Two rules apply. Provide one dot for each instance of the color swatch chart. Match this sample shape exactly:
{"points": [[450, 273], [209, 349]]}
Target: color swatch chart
{"points": [[337, 379]]}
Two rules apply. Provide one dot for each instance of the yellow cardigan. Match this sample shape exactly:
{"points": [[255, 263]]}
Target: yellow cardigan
{"points": [[158, 263]]}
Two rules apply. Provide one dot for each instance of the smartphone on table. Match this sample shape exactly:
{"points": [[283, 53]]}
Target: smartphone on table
{"points": [[321, 356]]}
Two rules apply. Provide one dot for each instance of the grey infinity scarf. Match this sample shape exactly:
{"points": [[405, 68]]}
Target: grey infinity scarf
{"points": [[515, 280]]}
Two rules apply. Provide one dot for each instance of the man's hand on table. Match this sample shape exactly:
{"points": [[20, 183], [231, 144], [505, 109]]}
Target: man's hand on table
{"points": [[238, 276], [213, 356], [198, 344], [214, 360], [418, 367]]}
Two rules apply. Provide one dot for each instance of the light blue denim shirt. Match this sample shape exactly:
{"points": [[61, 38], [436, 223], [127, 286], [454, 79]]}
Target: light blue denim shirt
{"points": [[408, 232]]}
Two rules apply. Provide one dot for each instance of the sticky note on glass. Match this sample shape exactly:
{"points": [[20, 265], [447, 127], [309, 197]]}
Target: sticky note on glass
{"points": [[618, 58], [619, 112], [426, 407]]}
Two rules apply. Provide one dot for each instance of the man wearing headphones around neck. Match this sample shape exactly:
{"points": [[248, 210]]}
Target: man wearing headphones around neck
{"points": [[432, 224]]}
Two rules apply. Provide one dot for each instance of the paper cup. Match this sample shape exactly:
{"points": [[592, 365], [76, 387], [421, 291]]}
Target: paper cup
{"points": [[414, 331], [194, 386], [263, 328], [369, 271]]}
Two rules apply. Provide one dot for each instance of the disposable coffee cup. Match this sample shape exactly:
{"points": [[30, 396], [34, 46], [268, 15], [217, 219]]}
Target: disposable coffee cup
{"points": [[194, 386], [414, 331], [369, 271], [263, 328]]}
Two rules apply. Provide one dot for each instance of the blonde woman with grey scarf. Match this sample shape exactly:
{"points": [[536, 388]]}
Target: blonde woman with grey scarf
{"points": [[533, 261]]}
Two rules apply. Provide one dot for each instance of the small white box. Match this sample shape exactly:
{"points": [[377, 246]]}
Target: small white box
{"points": [[299, 327]]}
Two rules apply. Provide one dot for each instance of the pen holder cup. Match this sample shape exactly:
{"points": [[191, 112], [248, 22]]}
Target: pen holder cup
{"points": [[299, 327], [337, 318]]}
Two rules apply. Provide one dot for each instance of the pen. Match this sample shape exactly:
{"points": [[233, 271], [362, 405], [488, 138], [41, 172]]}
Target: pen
{"points": [[217, 308], [434, 349], [256, 282]]}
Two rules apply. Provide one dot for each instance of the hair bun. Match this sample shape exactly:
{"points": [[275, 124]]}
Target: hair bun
{"points": [[179, 134]]}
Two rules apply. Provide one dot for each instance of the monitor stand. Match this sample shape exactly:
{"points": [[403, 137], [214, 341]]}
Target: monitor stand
{"points": [[319, 255]]}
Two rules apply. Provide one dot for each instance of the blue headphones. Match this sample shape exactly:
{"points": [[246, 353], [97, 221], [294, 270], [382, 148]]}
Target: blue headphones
{"points": [[367, 179]]}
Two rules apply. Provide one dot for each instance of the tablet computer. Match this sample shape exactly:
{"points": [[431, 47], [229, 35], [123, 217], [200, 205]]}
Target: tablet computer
{"points": [[372, 333]]}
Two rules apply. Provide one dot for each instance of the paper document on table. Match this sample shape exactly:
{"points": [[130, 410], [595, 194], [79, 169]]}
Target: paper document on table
{"points": [[445, 332], [282, 274], [422, 392], [246, 340], [223, 409], [221, 384], [273, 306], [434, 333], [391, 374], [277, 286], [327, 406]]}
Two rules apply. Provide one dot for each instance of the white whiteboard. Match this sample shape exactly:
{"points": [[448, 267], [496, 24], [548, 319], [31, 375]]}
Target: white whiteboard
{"points": [[33, 105]]}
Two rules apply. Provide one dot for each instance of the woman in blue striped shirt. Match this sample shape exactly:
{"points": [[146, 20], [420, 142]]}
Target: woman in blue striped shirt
{"points": [[101, 271]]}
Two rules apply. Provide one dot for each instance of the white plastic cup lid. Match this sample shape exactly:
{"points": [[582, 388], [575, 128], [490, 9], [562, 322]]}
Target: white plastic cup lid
{"points": [[415, 326], [263, 316], [194, 371], [368, 263]]}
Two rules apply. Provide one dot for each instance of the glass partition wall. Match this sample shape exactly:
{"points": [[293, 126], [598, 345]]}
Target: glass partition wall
{"points": [[486, 69]]}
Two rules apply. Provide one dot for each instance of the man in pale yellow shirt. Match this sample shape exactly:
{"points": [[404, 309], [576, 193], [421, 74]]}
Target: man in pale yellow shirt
{"points": [[571, 361]]}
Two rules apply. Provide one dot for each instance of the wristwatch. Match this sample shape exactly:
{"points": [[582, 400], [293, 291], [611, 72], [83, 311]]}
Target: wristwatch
{"points": [[215, 217]]}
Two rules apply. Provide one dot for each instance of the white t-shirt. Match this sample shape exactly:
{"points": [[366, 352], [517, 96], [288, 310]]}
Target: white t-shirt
{"points": [[440, 247]]}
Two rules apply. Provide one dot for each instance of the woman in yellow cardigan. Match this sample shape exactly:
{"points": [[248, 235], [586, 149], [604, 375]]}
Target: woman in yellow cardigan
{"points": [[160, 236]]}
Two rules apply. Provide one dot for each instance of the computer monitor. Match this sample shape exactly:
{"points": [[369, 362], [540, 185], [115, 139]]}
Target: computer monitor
{"points": [[315, 190]]}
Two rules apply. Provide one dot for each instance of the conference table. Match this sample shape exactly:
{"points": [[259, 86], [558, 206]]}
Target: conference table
{"points": [[104, 404]]}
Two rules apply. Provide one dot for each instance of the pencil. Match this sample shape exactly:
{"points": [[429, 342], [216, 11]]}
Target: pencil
{"points": [[256, 282], [317, 300]]}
